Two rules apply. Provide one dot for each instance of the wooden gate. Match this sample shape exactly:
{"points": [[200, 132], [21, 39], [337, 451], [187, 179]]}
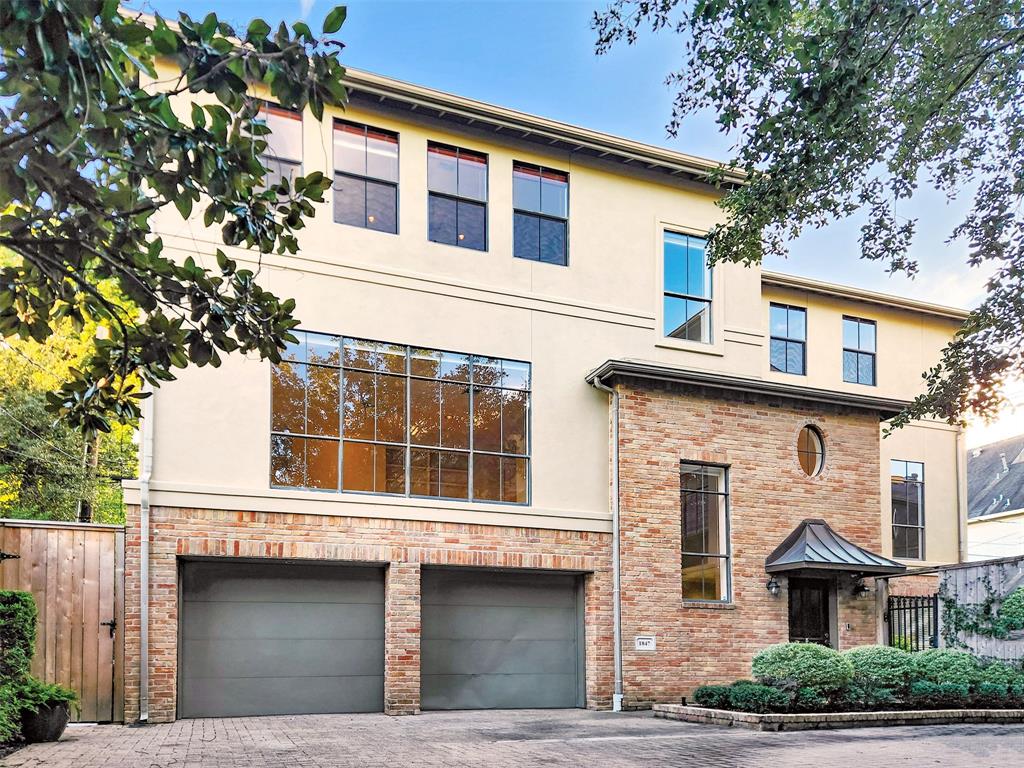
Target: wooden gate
{"points": [[76, 573]]}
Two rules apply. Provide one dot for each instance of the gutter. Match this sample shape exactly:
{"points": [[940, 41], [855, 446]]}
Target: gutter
{"points": [[961, 494], [145, 475], [616, 566]]}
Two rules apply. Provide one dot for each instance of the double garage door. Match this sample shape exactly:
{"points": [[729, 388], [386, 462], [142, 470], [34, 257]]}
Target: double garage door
{"points": [[273, 638]]}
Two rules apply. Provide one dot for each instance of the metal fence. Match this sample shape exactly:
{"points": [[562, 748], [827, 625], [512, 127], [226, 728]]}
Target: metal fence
{"points": [[913, 622]]}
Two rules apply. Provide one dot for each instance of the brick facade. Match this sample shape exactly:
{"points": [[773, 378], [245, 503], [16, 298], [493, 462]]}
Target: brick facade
{"points": [[661, 426], [403, 546]]}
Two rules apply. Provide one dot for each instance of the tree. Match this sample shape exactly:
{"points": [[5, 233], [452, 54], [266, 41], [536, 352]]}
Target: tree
{"points": [[91, 149], [849, 106]]}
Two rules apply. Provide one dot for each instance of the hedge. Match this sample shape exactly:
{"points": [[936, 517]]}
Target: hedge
{"points": [[802, 665], [757, 698], [880, 666], [944, 665], [712, 696], [17, 634]]}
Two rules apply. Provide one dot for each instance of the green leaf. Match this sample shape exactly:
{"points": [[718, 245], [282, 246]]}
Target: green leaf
{"points": [[335, 19], [258, 30]]}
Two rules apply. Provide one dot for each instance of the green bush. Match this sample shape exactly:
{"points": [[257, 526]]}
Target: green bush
{"points": [[757, 698], [10, 714], [17, 634], [942, 665], [998, 672], [802, 665], [1011, 611], [1016, 693], [929, 695], [712, 696], [809, 700], [33, 693], [991, 695], [879, 666]]}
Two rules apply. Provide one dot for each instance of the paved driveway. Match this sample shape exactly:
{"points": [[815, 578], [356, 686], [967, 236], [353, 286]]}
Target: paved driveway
{"points": [[521, 738]]}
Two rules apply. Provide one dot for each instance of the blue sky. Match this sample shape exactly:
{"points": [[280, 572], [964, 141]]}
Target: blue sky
{"points": [[538, 56]]}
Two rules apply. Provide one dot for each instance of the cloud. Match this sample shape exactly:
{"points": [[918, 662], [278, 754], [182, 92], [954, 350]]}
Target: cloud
{"points": [[305, 6]]}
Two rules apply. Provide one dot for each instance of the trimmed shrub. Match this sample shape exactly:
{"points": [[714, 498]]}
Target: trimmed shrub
{"points": [[10, 714], [991, 695], [17, 634], [879, 666], [1011, 611], [712, 696], [997, 672], [809, 700], [1016, 693], [943, 665], [757, 698], [802, 665], [866, 698], [929, 695]]}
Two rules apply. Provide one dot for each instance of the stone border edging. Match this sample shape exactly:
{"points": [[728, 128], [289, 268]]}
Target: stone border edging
{"points": [[830, 720]]}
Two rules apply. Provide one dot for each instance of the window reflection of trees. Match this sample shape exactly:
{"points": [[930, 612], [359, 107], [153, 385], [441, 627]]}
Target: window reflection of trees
{"points": [[410, 421]]}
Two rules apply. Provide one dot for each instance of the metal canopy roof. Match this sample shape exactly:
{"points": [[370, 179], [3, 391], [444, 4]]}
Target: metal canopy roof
{"points": [[813, 545]]}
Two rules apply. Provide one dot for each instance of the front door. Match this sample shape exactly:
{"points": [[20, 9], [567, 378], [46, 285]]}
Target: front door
{"points": [[809, 611]]}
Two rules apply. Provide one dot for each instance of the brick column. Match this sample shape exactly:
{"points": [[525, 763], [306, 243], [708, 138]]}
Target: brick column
{"points": [[402, 639]]}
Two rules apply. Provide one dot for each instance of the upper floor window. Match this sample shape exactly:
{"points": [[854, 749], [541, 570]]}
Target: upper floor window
{"points": [[356, 415], [365, 177], [540, 220], [283, 155], [907, 509], [457, 200], [788, 339], [704, 494], [687, 288], [858, 350]]}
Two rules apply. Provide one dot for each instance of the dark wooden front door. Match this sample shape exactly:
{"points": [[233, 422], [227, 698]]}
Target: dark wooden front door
{"points": [[808, 611]]}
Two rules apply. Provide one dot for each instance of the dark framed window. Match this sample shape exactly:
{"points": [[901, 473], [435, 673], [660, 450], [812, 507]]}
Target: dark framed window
{"points": [[365, 177], [687, 288], [365, 416], [457, 197], [859, 347], [788, 339], [283, 155], [704, 492], [810, 450], [907, 509], [540, 216]]}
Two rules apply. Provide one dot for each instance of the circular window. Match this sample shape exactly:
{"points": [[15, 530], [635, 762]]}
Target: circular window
{"points": [[810, 449]]}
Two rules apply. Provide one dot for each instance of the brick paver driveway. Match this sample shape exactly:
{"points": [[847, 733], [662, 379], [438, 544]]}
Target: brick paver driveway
{"points": [[521, 738]]}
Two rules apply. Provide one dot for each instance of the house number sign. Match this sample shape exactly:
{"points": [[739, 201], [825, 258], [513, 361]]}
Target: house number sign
{"points": [[645, 643]]}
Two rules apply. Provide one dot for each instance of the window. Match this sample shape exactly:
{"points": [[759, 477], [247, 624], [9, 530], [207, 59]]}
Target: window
{"points": [[810, 450], [357, 415], [457, 201], [907, 509], [540, 218], [705, 532], [788, 339], [283, 155], [365, 177], [687, 300], [858, 351]]}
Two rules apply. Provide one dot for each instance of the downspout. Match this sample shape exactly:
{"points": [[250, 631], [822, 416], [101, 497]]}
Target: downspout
{"points": [[961, 493], [616, 569], [145, 474]]}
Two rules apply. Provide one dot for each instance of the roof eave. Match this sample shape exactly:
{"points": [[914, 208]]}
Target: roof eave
{"points": [[809, 565]]}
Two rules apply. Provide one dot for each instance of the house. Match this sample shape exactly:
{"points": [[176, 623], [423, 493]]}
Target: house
{"points": [[995, 500], [530, 450]]}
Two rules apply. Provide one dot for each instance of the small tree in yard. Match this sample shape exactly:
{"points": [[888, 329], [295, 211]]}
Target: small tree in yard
{"points": [[89, 153], [849, 105]]}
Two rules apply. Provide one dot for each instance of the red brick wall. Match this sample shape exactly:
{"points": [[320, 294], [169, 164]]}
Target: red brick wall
{"points": [[661, 426], [403, 545], [915, 586]]}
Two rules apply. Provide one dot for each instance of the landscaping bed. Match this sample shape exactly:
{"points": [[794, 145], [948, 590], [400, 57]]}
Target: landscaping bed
{"points": [[801, 686]]}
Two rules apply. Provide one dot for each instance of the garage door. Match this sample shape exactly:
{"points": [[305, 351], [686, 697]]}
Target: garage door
{"points": [[277, 639], [500, 640]]}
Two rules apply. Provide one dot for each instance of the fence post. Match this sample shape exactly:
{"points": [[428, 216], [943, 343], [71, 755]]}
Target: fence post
{"points": [[882, 610]]}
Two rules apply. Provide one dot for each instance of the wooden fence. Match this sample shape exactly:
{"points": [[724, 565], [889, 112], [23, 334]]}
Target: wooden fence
{"points": [[970, 586], [76, 573]]}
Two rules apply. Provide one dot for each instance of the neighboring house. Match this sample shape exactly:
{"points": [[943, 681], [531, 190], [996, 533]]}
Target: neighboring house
{"points": [[995, 496], [511, 344]]}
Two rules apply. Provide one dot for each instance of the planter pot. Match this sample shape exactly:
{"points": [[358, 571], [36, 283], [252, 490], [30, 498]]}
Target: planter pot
{"points": [[45, 725]]}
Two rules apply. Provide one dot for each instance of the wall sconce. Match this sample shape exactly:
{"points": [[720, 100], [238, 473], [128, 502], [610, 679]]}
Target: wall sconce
{"points": [[859, 587], [773, 587]]}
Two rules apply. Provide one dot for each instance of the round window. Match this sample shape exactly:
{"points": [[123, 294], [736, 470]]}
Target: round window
{"points": [[810, 449]]}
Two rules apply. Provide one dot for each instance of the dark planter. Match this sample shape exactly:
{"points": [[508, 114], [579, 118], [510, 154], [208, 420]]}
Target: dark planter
{"points": [[45, 725]]}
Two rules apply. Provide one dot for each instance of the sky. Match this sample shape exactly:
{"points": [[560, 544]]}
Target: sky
{"points": [[538, 56]]}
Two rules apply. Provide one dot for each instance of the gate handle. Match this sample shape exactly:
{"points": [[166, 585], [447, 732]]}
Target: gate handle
{"points": [[112, 624]]}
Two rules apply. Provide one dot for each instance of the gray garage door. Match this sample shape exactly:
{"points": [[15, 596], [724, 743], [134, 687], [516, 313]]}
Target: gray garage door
{"points": [[279, 639], [500, 640]]}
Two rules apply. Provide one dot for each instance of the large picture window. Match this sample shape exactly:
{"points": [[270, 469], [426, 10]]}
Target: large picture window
{"points": [[540, 217], [357, 415], [704, 491], [687, 285], [859, 346], [365, 177], [907, 509], [788, 339], [457, 197], [283, 155]]}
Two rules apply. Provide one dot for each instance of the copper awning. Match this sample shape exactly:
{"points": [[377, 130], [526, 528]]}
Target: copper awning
{"points": [[813, 545]]}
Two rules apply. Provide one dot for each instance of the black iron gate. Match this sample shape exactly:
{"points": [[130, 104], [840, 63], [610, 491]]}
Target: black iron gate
{"points": [[913, 622]]}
